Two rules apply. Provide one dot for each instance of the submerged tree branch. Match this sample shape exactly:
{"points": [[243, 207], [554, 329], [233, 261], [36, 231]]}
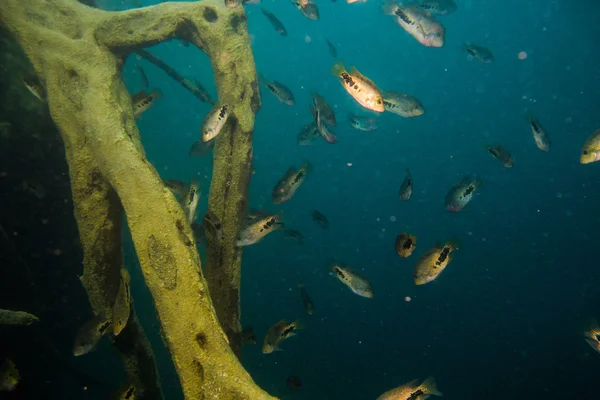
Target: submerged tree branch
{"points": [[76, 51]]}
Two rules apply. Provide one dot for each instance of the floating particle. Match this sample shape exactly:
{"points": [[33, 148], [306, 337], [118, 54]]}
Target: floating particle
{"points": [[407, 299], [45, 221], [307, 39], [522, 55], [393, 218], [349, 164], [378, 219], [3, 174]]}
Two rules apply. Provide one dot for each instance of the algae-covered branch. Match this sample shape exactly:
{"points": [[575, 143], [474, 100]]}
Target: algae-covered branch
{"points": [[76, 52]]}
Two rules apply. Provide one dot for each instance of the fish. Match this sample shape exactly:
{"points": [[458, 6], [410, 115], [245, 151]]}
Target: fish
{"points": [[287, 186], [355, 1], [405, 244], [361, 88], [542, 141], [90, 334], [365, 124], [591, 149], [279, 332], [34, 187], [258, 225], [211, 220], [592, 335], [320, 219], [431, 263], [199, 232], [438, 7], [179, 188], [421, 25], [413, 391], [17, 318], [406, 188], [404, 105], [142, 101], [189, 201], [201, 148], [332, 49], [248, 335], [235, 3], [307, 8], [143, 76], [9, 376], [274, 21], [308, 304], [327, 134], [35, 87], [500, 154], [308, 134], [122, 306], [279, 90], [461, 193], [353, 280], [294, 235], [478, 53], [293, 382], [127, 392], [215, 121], [327, 115]]}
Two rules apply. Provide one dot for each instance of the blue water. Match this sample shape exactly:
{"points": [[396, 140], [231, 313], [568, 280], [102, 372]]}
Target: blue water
{"points": [[505, 319]]}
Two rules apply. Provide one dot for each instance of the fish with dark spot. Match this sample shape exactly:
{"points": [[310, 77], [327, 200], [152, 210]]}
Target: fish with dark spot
{"points": [[433, 262], [320, 219], [122, 306], [279, 90], [405, 105], [461, 194], [332, 49], [361, 88], [211, 220], [412, 391], [142, 101], [306, 300], [405, 244], [591, 149], [287, 186], [215, 121], [478, 53], [258, 225], [362, 123], [357, 283], [9, 376], [308, 134], [542, 140], [307, 8], [406, 188], [421, 25], [294, 235], [279, 332], [500, 154], [90, 334], [179, 188], [277, 24]]}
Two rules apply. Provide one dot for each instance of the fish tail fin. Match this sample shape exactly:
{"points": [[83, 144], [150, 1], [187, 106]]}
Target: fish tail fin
{"points": [[261, 78], [530, 117], [429, 387], [307, 167], [407, 171], [389, 7], [299, 325], [454, 244], [338, 68], [157, 93], [591, 325]]}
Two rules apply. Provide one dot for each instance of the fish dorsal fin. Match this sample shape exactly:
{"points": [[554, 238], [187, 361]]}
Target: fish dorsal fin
{"points": [[138, 96]]}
